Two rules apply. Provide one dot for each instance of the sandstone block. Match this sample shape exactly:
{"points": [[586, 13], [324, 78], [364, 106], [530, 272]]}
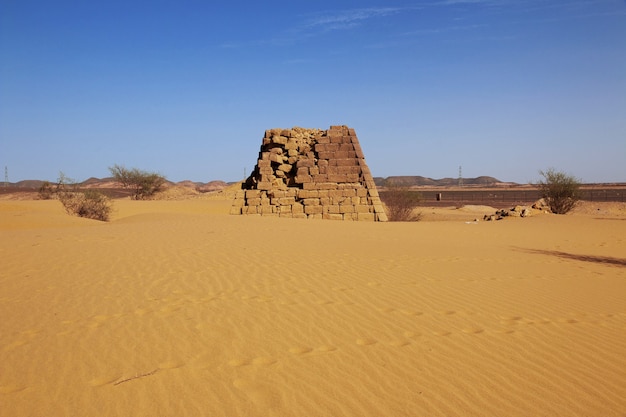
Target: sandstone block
{"points": [[286, 201], [313, 209], [297, 208], [285, 168], [332, 216], [264, 185], [346, 208], [279, 140], [370, 217], [311, 202]]}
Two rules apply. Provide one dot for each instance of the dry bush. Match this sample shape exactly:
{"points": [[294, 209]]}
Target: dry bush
{"points": [[401, 203], [89, 204], [560, 191], [46, 191]]}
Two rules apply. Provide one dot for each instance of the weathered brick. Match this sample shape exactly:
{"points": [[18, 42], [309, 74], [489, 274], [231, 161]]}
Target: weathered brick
{"points": [[297, 208], [369, 217], [286, 201], [313, 209], [346, 208], [264, 185], [311, 202]]}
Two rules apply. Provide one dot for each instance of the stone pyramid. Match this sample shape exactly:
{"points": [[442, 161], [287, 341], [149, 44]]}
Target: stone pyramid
{"points": [[311, 173]]}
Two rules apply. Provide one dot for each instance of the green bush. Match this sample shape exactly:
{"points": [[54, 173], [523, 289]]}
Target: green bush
{"points": [[560, 191], [144, 184], [401, 203]]}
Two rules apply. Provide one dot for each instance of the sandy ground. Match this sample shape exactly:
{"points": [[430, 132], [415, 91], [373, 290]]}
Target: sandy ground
{"points": [[175, 308]]}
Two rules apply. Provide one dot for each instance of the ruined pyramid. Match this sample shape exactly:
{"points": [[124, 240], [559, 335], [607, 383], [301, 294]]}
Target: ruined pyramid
{"points": [[311, 173]]}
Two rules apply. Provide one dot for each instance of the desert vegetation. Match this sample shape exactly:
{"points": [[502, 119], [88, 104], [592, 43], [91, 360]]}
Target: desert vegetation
{"points": [[144, 184], [560, 191], [401, 203], [91, 204]]}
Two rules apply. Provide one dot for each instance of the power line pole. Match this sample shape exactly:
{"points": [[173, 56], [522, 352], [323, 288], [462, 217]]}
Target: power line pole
{"points": [[460, 177], [6, 176]]}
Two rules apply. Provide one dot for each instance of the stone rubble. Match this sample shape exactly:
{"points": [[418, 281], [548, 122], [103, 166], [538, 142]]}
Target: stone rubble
{"points": [[311, 173]]}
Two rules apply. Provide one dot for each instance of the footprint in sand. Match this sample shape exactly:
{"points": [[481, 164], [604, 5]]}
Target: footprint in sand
{"points": [[448, 312], [442, 333], [399, 343], [263, 361], [236, 363], [260, 361], [142, 311], [262, 395], [473, 330], [325, 348], [411, 312], [171, 364], [300, 350], [11, 388], [104, 380], [365, 341]]}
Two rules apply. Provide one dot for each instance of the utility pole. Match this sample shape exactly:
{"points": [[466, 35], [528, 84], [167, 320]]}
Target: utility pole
{"points": [[6, 176], [460, 177]]}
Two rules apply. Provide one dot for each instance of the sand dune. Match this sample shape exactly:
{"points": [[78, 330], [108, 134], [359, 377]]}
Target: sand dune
{"points": [[175, 308]]}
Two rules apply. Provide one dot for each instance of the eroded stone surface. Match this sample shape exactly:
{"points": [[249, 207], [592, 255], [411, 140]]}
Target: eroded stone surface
{"points": [[311, 173]]}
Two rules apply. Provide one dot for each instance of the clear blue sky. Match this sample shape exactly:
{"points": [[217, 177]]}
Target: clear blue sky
{"points": [[187, 87]]}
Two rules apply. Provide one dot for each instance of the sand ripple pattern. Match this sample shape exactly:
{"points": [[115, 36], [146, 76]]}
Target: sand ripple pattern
{"points": [[178, 311]]}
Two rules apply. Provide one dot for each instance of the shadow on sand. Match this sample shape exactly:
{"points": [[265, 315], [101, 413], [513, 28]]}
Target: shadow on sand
{"points": [[585, 258]]}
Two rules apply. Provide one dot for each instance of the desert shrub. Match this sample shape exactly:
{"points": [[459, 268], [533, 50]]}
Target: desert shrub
{"points": [[144, 184], [560, 191], [401, 203], [90, 204], [46, 191]]}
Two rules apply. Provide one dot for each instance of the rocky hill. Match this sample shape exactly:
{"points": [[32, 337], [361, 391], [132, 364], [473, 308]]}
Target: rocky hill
{"points": [[419, 181]]}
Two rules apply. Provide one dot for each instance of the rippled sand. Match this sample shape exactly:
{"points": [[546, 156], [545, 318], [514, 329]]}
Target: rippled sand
{"points": [[175, 308]]}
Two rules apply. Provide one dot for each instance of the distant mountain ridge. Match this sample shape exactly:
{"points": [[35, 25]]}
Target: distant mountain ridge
{"points": [[416, 180], [109, 182]]}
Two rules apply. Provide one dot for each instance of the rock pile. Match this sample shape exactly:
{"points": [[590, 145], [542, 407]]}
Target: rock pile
{"points": [[311, 173], [517, 211]]}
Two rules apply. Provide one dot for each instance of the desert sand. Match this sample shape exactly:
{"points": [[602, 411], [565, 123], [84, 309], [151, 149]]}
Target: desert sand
{"points": [[175, 308]]}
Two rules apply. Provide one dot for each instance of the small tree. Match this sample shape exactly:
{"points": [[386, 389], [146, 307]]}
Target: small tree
{"points": [[560, 191], [144, 184], [401, 203]]}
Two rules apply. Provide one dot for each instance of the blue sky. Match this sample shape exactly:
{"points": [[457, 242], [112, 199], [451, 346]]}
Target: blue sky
{"points": [[187, 87]]}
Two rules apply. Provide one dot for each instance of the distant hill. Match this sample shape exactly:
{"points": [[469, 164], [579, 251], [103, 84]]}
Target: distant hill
{"points": [[110, 183], [416, 180]]}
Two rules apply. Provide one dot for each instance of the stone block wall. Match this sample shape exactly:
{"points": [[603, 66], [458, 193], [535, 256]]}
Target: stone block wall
{"points": [[311, 173]]}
